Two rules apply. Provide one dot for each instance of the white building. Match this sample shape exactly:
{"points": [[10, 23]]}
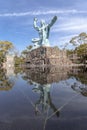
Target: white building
{"points": [[9, 64]]}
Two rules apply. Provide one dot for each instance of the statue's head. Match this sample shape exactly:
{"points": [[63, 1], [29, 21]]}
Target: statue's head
{"points": [[43, 22]]}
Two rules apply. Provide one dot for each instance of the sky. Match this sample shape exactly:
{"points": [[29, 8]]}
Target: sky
{"points": [[16, 20]]}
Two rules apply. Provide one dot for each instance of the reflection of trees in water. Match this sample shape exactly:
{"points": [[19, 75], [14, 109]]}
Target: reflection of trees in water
{"points": [[79, 87], [5, 82], [80, 76], [18, 70], [80, 73]]}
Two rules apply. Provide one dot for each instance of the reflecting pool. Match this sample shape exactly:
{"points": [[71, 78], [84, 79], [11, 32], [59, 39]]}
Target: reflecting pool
{"points": [[43, 99]]}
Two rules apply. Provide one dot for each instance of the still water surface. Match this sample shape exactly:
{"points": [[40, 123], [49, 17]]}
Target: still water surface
{"points": [[43, 99]]}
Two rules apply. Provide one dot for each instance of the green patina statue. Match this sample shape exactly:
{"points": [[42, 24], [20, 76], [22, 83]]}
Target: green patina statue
{"points": [[43, 30]]}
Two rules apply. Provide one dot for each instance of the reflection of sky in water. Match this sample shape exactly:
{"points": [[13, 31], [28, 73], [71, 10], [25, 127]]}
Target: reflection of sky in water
{"points": [[55, 105]]}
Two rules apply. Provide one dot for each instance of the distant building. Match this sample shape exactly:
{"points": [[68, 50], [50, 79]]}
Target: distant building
{"points": [[9, 61], [9, 65]]}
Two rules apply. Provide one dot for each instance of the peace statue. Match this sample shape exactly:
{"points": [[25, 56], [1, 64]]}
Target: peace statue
{"points": [[43, 31]]}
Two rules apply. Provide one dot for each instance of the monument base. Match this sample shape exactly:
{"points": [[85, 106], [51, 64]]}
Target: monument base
{"points": [[46, 56]]}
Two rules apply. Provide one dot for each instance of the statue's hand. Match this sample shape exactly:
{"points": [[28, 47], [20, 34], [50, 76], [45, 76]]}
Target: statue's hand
{"points": [[35, 19]]}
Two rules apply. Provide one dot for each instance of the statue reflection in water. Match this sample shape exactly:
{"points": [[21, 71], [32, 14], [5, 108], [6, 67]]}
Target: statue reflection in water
{"points": [[45, 98]]}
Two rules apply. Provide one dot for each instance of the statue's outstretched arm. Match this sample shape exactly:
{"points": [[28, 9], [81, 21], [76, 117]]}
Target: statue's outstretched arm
{"points": [[35, 24], [53, 21]]}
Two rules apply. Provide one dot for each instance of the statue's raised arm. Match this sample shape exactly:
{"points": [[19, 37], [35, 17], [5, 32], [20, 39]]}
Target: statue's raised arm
{"points": [[35, 24], [53, 21]]}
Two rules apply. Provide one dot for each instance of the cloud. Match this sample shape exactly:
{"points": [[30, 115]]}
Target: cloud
{"points": [[72, 24], [67, 37], [71, 28], [63, 41], [39, 12]]}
